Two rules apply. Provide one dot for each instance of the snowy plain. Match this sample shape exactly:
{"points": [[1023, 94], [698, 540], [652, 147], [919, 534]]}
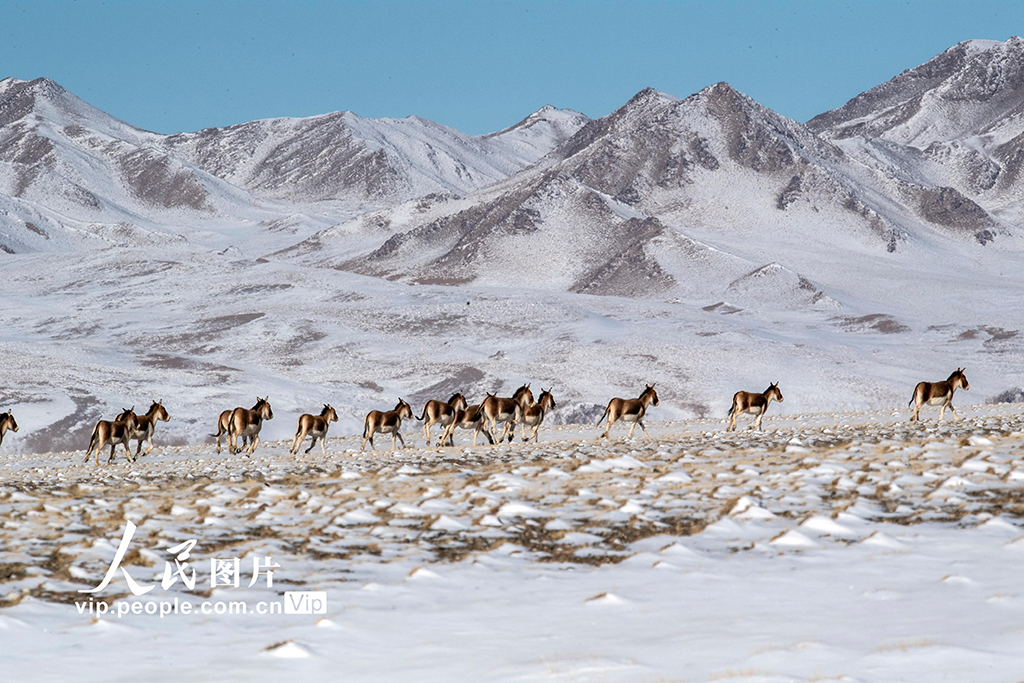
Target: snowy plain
{"points": [[838, 546]]}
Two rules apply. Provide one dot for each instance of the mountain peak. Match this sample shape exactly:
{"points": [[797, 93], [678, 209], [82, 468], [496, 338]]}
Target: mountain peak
{"points": [[954, 95], [651, 96]]}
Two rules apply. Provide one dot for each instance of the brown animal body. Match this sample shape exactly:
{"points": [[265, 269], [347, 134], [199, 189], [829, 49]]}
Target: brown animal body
{"points": [[247, 422], [386, 423], [7, 422], [437, 412], [472, 417], [117, 432], [316, 427], [532, 416], [939, 393], [507, 410], [755, 404], [630, 410], [223, 421], [147, 425]]}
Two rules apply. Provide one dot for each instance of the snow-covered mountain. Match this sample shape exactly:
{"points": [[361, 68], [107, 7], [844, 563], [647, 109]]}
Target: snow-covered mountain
{"points": [[706, 243], [72, 175], [375, 161], [955, 122], [667, 197]]}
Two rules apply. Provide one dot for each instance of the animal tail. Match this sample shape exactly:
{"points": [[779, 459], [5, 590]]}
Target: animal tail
{"points": [[95, 435], [732, 409], [604, 414], [366, 425], [423, 414]]}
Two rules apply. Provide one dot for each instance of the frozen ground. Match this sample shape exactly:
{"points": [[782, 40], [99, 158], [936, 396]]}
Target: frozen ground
{"points": [[842, 546]]}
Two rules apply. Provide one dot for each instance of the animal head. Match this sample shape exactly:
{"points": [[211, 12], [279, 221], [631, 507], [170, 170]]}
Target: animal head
{"points": [[546, 400], [457, 401], [523, 395], [650, 394], [128, 418], [263, 408], [773, 392], [7, 422], [328, 413], [403, 409], [157, 410], [959, 378]]}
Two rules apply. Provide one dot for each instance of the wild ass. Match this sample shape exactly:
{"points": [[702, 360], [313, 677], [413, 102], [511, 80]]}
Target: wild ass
{"points": [[246, 422], [507, 410], [316, 427], [755, 404], [222, 428], [117, 432], [533, 415], [436, 412], [386, 423], [7, 422], [472, 417], [939, 393], [630, 410], [147, 425]]}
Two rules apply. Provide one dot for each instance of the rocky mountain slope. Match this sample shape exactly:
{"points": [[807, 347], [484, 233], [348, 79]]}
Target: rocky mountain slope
{"points": [[955, 123]]}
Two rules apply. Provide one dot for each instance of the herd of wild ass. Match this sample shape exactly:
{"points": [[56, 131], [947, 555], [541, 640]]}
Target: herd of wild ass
{"points": [[242, 426]]}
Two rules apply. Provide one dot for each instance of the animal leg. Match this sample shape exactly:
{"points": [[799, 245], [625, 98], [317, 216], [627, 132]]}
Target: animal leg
{"points": [[631, 428], [399, 435], [252, 445], [953, 410], [607, 428], [641, 423]]}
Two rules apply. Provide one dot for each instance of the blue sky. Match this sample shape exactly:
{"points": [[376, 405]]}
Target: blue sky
{"points": [[476, 66]]}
